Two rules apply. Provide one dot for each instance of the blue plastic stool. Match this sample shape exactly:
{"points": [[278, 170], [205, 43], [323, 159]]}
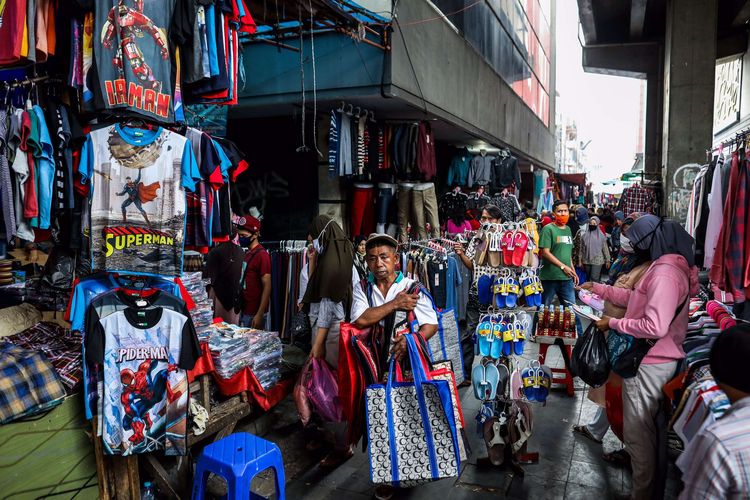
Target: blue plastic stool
{"points": [[238, 458]]}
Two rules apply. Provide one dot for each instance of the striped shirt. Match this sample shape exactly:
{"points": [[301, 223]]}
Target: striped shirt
{"points": [[720, 457]]}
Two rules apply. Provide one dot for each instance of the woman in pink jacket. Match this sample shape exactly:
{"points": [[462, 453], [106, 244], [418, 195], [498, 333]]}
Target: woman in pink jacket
{"points": [[656, 309]]}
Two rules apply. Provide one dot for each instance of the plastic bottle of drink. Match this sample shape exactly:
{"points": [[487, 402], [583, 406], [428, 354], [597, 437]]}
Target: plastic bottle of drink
{"points": [[566, 322], [540, 321], [147, 492], [546, 321]]}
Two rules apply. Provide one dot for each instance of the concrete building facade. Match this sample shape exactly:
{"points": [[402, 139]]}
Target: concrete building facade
{"points": [[483, 77]]}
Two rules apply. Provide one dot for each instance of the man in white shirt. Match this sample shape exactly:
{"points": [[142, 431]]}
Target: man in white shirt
{"points": [[389, 292], [720, 453]]}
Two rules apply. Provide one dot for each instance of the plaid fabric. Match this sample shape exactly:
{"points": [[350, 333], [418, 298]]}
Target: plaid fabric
{"points": [[28, 384], [735, 256], [636, 199], [62, 348]]}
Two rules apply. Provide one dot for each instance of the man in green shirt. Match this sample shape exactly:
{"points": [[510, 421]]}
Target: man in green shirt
{"points": [[556, 249]]}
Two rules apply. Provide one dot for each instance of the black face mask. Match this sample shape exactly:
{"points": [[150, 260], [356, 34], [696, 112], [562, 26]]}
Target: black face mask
{"points": [[592, 228], [642, 255], [245, 241]]}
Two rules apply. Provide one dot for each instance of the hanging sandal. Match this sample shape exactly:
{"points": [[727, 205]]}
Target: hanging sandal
{"points": [[520, 245], [492, 374], [494, 440], [497, 341]]}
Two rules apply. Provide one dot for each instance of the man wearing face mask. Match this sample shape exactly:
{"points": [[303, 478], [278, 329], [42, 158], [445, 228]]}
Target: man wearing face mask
{"points": [[256, 291], [556, 249]]}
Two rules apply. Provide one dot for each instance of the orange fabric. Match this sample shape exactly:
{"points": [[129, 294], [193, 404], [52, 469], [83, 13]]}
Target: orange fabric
{"points": [[148, 192]]}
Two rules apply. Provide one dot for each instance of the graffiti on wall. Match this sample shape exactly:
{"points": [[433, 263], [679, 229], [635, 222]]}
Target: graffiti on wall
{"points": [[681, 190], [256, 192]]}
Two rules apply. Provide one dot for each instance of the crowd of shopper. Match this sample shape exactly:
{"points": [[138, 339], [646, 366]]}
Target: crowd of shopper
{"points": [[641, 265]]}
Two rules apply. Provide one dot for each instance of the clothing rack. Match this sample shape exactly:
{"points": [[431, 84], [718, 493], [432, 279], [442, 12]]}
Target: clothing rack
{"points": [[355, 111]]}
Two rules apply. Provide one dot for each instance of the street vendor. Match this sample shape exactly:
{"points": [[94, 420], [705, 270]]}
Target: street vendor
{"points": [[386, 291]]}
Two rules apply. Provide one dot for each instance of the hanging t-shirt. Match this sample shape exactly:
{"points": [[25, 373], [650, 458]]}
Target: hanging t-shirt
{"points": [[145, 355], [134, 54], [12, 24], [138, 181]]}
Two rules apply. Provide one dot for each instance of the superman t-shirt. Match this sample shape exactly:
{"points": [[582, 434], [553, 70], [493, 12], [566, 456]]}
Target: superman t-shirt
{"points": [[138, 181], [145, 355]]}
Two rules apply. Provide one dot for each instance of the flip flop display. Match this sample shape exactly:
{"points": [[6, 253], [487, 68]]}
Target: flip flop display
{"points": [[484, 289], [497, 344], [485, 338], [492, 376], [520, 244], [519, 340], [508, 248], [479, 382], [500, 290], [511, 287], [508, 335]]}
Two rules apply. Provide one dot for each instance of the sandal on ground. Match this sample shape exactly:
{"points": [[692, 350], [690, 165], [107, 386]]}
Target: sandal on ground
{"points": [[584, 430], [620, 458], [335, 458]]}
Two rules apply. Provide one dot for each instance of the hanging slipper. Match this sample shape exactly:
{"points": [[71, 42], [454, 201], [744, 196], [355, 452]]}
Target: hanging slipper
{"points": [[528, 377], [516, 384], [479, 382], [544, 383], [511, 286], [492, 375], [494, 256], [519, 340], [508, 335], [485, 338], [484, 289], [500, 290], [497, 341], [508, 248], [494, 441], [520, 245]]}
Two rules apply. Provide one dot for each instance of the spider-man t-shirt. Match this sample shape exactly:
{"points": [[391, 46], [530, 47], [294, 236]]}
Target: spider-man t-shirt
{"points": [[145, 354]]}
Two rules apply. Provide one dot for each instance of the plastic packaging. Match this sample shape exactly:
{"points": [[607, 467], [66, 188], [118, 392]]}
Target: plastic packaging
{"points": [[323, 392], [590, 359], [300, 394]]}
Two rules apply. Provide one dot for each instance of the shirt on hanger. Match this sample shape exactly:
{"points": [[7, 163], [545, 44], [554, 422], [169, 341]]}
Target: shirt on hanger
{"points": [[145, 355], [138, 181]]}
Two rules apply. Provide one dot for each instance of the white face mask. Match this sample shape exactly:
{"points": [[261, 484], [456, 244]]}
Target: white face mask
{"points": [[625, 244], [316, 242]]}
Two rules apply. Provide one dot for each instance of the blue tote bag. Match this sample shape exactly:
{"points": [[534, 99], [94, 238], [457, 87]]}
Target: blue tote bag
{"points": [[412, 437]]}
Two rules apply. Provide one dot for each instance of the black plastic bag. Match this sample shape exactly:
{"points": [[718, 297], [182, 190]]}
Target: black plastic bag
{"points": [[590, 359]]}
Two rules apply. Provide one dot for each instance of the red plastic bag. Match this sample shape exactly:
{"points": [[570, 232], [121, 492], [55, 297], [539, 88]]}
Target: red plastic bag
{"points": [[300, 394], [323, 392]]}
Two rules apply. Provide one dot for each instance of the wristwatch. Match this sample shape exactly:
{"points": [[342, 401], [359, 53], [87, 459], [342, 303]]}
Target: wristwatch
{"points": [[562, 266]]}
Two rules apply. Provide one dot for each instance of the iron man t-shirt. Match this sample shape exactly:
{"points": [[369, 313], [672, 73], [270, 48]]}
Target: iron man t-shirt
{"points": [[138, 181], [134, 43]]}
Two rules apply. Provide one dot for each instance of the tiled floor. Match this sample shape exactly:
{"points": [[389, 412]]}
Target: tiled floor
{"points": [[570, 466]]}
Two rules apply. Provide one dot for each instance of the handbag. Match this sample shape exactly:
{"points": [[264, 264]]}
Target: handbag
{"points": [[411, 429], [301, 331], [626, 352], [446, 343]]}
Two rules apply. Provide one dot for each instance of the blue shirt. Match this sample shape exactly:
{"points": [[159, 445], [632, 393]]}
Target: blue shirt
{"points": [[452, 281]]}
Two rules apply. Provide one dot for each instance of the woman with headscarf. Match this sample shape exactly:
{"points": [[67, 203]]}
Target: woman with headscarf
{"points": [[329, 298], [625, 272], [593, 252], [330, 285], [359, 256], [655, 310]]}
